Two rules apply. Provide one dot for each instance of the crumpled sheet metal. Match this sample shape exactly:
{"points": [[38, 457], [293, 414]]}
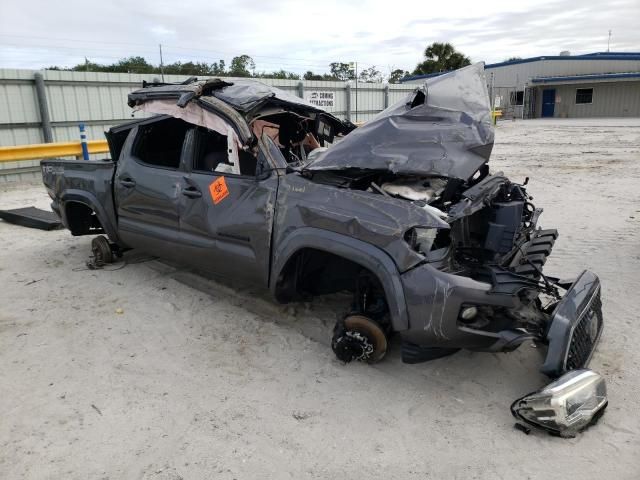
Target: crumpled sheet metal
{"points": [[245, 95], [449, 135]]}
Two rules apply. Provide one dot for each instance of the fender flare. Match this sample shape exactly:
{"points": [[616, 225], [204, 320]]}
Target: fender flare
{"points": [[362, 253], [88, 199]]}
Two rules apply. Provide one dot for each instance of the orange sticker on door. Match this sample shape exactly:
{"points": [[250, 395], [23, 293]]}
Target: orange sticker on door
{"points": [[218, 190]]}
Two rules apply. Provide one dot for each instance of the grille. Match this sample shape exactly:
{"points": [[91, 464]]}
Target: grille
{"points": [[585, 335]]}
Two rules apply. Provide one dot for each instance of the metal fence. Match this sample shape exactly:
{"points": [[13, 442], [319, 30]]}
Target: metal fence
{"points": [[47, 106]]}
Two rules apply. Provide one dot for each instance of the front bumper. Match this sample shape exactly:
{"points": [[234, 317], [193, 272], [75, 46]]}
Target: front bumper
{"points": [[575, 327], [572, 331]]}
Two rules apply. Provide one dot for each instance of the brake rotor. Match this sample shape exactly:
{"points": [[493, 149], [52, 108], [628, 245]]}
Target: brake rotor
{"points": [[359, 338]]}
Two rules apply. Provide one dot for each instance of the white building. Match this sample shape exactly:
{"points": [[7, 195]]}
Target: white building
{"points": [[603, 84]]}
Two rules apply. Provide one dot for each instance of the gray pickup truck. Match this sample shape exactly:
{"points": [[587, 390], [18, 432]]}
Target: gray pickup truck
{"points": [[246, 181]]}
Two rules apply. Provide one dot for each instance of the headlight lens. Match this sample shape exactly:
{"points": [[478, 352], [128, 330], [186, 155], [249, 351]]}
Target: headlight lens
{"points": [[566, 406]]}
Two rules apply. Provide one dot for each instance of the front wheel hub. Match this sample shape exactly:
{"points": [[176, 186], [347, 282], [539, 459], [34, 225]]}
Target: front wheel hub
{"points": [[359, 338]]}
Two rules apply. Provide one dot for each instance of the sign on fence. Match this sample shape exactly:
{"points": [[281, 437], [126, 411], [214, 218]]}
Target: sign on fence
{"points": [[321, 98]]}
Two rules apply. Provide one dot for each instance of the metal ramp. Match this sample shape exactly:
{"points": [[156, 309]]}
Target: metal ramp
{"points": [[32, 217]]}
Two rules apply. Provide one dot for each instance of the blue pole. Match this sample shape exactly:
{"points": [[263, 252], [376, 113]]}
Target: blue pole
{"points": [[83, 142]]}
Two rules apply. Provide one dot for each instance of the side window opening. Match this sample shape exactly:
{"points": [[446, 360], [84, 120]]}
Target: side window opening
{"points": [[212, 154], [584, 96], [517, 98], [160, 143]]}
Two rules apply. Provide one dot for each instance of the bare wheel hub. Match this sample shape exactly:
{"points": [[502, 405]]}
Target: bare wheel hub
{"points": [[359, 338]]}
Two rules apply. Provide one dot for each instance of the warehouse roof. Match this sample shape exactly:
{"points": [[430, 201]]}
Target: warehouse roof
{"points": [[586, 56], [587, 77]]}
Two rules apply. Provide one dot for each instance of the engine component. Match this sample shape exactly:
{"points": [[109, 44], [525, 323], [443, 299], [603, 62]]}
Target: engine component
{"points": [[504, 227], [358, 338]]}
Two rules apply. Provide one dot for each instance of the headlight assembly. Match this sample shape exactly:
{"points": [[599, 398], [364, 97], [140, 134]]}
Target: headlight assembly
{"points": [[570, 404]]}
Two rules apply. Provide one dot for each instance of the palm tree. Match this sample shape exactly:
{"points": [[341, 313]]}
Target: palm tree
{"points": [[441, 57]]}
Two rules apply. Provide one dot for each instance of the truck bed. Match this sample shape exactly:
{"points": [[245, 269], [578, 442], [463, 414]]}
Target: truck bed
{"points": [[88, 182]]}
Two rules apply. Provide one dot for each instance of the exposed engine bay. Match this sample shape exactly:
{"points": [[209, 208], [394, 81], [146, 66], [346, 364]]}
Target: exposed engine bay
{"points": [[489, 217]]}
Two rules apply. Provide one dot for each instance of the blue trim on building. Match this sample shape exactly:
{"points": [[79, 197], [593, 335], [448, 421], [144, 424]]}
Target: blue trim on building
{"points": [[602, 76], [586, 56], [617, 54]]}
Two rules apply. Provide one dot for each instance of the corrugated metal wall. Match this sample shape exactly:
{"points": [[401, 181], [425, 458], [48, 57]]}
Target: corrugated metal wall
{"points": [[517, 74], [619, 99], [99, 100]]}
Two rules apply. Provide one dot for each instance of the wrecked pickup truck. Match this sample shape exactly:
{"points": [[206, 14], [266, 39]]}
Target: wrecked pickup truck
{"points": [[247, 181]]}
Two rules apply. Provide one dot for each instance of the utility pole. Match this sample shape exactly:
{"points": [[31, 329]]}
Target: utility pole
{"points": [[161, 63], [609, 42], [356, 91], [353, 67]]}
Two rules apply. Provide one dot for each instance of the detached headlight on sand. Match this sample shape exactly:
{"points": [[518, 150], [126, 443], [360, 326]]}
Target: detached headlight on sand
{"points": [[570, 404]]}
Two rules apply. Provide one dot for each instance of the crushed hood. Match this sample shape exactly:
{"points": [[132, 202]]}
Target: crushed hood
{"points": [[443, 129]]}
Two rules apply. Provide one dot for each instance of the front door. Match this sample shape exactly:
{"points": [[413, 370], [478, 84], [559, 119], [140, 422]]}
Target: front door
{"points": [[226, 211], [147, 185], [548, 102]]}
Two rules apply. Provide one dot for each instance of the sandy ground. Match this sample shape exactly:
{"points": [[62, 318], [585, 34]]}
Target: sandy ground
{"points": [[197, 380]]}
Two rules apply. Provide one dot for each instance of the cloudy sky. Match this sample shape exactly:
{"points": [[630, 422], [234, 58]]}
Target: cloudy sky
{"points": [[300, 36]]}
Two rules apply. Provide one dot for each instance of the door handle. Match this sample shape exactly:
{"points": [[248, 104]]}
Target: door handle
{"points": [[191, 192], [127, 182]]}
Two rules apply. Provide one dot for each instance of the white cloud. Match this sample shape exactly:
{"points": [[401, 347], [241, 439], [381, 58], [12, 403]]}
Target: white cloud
{"points": [[301, 36]]}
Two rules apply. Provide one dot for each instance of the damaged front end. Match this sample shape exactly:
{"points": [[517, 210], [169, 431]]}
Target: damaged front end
{"points": [[489, 289], [479, 284]]}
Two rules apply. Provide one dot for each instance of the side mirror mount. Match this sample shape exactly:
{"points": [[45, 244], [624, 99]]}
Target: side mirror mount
{"points": [[263, 169], [566, 406]]}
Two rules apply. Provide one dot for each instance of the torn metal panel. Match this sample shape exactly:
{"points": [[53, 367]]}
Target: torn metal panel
{"points": [[442, 129], [194, 114], [247, 95]]}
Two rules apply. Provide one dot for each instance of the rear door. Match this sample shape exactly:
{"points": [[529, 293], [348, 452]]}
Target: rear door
{"points": [[226, 217], [148, 185]]}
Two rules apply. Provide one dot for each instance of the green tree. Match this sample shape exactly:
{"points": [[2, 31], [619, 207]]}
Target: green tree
{"points": [[242, 66], [280, 74], [341, 71], [396, 75], [133, 65], [511, 59], [370, 75], [219, 68], [89, 66], [189, 68], [441, 57], [309, 75]]}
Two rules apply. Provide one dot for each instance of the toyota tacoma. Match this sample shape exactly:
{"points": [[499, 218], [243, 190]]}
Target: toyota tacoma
{"points": [[250, 182]]}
